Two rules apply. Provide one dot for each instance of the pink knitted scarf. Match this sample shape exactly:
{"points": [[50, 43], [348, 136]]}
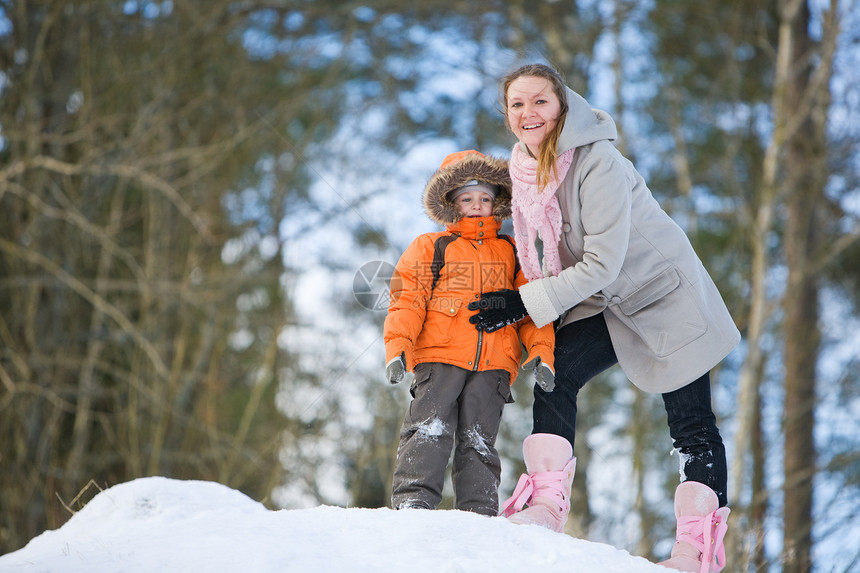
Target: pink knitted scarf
{"points": [[537, 211]]}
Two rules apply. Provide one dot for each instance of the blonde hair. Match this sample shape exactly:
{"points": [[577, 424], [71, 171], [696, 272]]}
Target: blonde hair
{"points": [[548, 150]]}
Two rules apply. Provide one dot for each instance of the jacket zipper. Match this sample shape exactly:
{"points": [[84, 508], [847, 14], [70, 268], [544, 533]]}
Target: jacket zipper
{"points": [[477, 363], [478, 353]]}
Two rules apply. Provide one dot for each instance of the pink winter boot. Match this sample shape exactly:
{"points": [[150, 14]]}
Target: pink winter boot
{"points": [[701, 529], [546, 488]]}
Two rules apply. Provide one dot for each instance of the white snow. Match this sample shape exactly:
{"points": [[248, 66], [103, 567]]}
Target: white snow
{"points": [[431, 428], [164, 525]]}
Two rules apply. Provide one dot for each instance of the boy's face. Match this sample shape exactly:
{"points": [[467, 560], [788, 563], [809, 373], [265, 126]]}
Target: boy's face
{"points": [[475, 203]]}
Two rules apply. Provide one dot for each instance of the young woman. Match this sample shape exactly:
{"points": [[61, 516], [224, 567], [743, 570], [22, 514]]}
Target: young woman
{"points": [[623, 284]]}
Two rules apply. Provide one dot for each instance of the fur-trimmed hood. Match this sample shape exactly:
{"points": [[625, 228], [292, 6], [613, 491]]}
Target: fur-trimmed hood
{"points": [[452, 175]]}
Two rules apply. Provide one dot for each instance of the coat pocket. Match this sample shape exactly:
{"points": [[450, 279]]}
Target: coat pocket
{"points": [[663, 314], [440, 326]]}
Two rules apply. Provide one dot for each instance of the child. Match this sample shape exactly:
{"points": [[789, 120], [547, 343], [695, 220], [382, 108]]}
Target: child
{"points": [[462, 376]]}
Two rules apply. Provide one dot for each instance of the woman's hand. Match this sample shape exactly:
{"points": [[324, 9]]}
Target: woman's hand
{"points": [[497, 310]]}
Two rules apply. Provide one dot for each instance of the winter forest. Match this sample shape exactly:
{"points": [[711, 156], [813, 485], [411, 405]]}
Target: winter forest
{"points": [[194, 195]]}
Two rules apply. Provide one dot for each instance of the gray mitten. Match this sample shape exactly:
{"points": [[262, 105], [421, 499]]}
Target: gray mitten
{"points": [[543, 374], [395, 370]]}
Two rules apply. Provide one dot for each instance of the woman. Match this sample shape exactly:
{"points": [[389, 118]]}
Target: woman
{"points": [[624, 285]]}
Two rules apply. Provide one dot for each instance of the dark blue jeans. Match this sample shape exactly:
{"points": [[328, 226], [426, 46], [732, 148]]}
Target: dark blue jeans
{"points": [[583, 350]]}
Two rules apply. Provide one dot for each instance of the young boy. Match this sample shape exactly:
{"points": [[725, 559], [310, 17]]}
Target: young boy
{"points": [[462, 376]]}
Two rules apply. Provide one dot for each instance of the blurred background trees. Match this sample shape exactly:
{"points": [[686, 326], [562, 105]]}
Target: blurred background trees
{"points": [[188, 188]]}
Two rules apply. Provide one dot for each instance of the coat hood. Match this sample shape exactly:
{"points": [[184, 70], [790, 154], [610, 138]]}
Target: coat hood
{"points": [[453, 175], [584, 125]]}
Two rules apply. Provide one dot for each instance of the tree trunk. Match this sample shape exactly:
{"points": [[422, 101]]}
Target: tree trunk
{"points": [[806, 177]]}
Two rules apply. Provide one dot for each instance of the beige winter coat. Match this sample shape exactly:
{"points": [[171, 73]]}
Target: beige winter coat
{"points": [[624, 256]]}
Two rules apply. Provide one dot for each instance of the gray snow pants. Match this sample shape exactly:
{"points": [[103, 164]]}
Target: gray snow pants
{"points": [[451, 407]]}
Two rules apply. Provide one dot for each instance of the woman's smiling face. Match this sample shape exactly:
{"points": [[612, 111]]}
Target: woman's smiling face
{"points": [[532, 110]]}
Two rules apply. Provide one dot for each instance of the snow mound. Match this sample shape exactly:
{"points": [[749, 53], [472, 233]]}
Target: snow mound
{"points": [[164, 525]]}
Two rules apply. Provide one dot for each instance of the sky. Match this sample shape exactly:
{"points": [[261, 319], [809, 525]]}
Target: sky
{"points": [[157, 524]]}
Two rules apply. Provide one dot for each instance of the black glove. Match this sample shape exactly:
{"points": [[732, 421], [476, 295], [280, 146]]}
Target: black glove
{"points": [[395, 370], [497, 309]]}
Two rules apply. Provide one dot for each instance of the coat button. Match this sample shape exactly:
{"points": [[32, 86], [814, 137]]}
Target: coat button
{"points": [[481, 234], [566, 227], [480, 223], [453, 310]]}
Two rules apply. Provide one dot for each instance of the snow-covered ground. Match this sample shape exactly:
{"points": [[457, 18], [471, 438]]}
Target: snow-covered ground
{"points": [[160, 525]]}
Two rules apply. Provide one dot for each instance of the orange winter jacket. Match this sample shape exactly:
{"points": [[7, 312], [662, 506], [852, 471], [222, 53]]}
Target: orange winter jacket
{"points": [[431, 324]]}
